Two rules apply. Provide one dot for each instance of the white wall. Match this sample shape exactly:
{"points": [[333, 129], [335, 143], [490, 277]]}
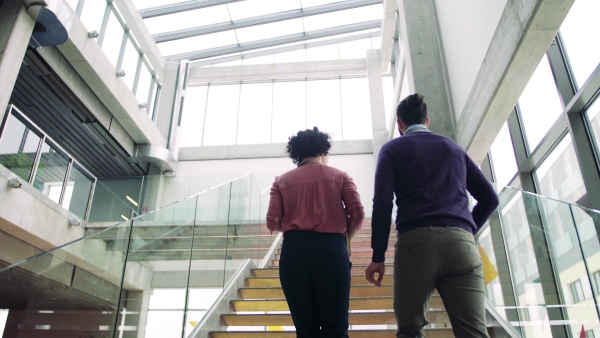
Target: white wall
{"points": [[360, 167], [466, 30]]}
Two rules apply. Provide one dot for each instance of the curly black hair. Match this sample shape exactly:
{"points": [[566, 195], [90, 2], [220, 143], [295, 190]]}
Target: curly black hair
{"points": [[308, 143]]}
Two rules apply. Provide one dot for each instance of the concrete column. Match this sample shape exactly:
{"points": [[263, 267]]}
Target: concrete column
{"points": [[424, 62], [16, 27], [380, 133]]}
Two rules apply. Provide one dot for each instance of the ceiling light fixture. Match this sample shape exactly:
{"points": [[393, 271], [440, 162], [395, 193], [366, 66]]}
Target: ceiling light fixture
{"points": [[131, 200], [14, 182]]}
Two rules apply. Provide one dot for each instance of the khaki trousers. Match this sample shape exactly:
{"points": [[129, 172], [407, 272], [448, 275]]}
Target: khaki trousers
{"points": [[446, 259]]}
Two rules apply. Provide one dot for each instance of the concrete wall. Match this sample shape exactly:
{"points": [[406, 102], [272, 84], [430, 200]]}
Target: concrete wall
{"points": [[466, 29]]}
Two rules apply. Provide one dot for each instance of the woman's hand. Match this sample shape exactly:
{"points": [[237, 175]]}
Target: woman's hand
{"points": [[351, 225]]}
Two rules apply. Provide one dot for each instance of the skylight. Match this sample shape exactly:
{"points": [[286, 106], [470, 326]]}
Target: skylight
{"points": [[200, 30]]}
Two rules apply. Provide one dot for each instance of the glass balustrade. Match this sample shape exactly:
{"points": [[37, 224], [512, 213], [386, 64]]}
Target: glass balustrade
{"points": [[542, 265], [157, 274], [154, 275]]}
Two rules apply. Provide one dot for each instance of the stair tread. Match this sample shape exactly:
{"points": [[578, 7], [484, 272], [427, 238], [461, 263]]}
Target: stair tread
{"points": [[430, 333], [356, 303], [437, 317]]}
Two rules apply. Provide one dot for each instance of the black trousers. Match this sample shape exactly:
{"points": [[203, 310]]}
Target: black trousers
{"points": [[314, 270]]}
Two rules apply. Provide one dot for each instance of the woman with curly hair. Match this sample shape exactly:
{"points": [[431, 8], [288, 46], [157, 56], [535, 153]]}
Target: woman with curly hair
{"points": [[315, 205]]}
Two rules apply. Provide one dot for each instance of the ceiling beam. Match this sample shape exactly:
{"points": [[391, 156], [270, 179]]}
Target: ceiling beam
{"points": [[278, 71], [263, 19], [322, 33], [181, 7], [284, 49]]}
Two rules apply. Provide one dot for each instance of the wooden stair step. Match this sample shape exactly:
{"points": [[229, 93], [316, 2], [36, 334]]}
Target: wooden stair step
{"points": [[355, 291], [262, 282], [355, 318], [357, 269], [372, 303], [359, 254], [354, 260], [430, 333]]}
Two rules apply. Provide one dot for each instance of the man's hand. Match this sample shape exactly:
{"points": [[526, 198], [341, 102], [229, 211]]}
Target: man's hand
{"points": [[372, 269]]}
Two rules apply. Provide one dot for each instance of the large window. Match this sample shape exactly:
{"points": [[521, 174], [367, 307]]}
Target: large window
{"points": [[539, 104], [503, 157], [271, 112], [167, 309], [593, 114], [106, 24], [580, 31], [38, 160], [559, 176]]}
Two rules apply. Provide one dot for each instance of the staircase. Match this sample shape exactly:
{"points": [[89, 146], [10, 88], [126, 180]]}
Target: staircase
{"points": [[262, 311]]}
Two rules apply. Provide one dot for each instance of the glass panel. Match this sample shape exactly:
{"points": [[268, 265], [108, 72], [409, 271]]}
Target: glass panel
{"points": [[73, 4], [356, 109], [78, 192], [570, 269], [559, 175], [18, 148], [142, 4], [192, 121], [254, 125], [493, 284], [540, 104], [289, 110], [312, 3], [142, 92], [324, 107], [130, 64], [79, 280], [221, 115], [593, 114], [115, 199], [587, 223], [293, 56], [341, 18], [242, 239], [354, 49], [50, 174], [524, 268], [227, 38], [187, 19], [328, 52], [503, 157], [261, 60], [199, 301], [113, 38], [247, 9], [92, 14], [268, 31], [581, 27], [161, 242]]}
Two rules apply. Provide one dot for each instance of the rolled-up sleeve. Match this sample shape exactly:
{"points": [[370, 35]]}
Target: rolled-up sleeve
{"points": [[352, 202], [275, 210]]}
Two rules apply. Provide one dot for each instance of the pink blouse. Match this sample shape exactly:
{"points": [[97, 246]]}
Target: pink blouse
{"points": [[314, 197]]}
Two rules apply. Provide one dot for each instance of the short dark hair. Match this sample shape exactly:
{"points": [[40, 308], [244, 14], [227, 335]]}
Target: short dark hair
{"points": [[412, 110], [308, 143]]}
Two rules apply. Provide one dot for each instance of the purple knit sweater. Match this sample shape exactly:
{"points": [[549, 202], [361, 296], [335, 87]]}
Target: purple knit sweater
{"points": [[430, 175]]}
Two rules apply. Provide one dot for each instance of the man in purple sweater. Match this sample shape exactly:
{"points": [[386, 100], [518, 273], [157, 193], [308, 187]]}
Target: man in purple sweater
{"points": [[430, 175]]}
